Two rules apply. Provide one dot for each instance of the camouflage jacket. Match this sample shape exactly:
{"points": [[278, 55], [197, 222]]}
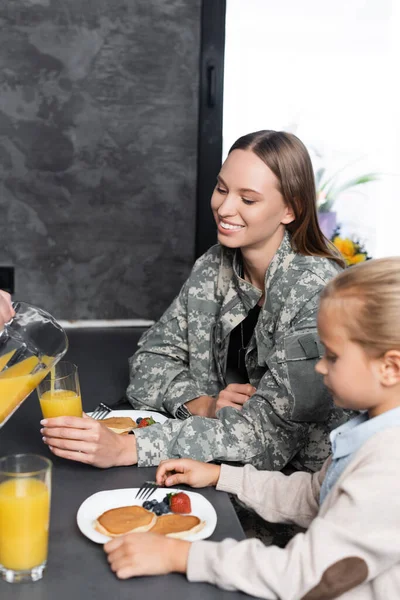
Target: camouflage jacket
{"points": [[184, 355]]}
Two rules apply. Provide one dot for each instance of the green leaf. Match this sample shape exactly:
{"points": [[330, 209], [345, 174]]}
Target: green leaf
{"points": [[336, 173], [351, 183], [318, 177]]}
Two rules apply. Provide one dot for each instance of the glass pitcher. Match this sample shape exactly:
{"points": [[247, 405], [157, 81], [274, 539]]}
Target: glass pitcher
{"points": [[30, 345]]}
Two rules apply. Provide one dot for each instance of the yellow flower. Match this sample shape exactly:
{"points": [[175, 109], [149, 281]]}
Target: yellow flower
{"points": [[352, 251], [357, 258], [345, 246]]}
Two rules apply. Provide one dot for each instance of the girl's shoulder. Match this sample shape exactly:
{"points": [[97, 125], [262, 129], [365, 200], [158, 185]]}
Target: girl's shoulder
{"points": [[383, 446]]}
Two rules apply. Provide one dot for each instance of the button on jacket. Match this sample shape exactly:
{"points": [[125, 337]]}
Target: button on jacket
{"points": [[183, 356]]}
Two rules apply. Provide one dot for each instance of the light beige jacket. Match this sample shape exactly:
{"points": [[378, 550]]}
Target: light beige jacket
{"points": [[351, 549]]}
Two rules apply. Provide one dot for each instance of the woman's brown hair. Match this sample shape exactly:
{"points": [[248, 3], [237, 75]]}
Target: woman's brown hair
{"points": [[288, 159]]}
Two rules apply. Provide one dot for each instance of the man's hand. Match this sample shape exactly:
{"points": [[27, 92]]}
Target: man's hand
{"points": [[139, 554], [185, 470], [234, 395], [88, 441], [6, 310]]}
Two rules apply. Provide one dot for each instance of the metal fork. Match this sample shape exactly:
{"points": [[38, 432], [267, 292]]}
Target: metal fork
{"points": [[147, 490], [101, 411]]}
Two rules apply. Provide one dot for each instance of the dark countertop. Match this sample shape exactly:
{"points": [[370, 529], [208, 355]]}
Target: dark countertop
{"points": [[77, 568]]}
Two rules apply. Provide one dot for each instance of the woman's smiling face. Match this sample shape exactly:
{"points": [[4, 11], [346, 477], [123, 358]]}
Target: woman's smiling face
{"points": [[248, 208]]}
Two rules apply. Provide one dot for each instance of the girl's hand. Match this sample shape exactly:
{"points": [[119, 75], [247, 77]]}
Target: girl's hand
{"points": [[138, 554], [185, 470], [6, 309], [88, 441]]}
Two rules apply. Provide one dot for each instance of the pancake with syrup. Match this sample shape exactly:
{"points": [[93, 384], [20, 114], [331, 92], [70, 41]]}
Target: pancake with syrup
{"points": [[177, 526], [125, 519], [119, 424]]}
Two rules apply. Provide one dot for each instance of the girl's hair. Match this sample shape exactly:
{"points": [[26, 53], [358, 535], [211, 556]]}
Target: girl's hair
{"points": [[288, 159], [369, 295]]}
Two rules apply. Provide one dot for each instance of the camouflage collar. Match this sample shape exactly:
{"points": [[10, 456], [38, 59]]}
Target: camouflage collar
{"points": [[280, 263], [247, 292], [238, 296]]}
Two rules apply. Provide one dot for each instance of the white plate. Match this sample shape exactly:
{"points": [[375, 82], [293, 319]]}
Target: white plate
{"points": [[135, 414], [98, 503]]}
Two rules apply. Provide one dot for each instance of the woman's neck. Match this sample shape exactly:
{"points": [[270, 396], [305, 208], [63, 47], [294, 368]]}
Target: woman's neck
{"points": [[256, 262], [254, 271]]}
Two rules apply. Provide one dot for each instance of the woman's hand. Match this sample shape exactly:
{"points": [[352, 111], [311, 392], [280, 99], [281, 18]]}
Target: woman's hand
{"points": [[138, 554], [88, 441], [6, 309], [185, 470], [203, 406], [234, 395]]}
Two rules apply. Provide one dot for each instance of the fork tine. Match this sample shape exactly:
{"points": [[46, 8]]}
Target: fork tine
{"points": [[146, 490], [149, 492], [101, 411], [141, 491], [96, 413]]}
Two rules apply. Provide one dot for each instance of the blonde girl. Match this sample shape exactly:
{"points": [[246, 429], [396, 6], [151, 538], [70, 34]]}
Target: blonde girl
{"points": [[351, 506]]}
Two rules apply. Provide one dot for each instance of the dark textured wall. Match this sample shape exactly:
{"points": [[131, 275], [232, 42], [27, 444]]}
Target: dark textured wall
{"points": [[98, 136]]}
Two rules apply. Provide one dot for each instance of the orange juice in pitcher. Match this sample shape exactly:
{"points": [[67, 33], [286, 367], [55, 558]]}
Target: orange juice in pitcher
{"points": [[30, 344], [18, 381]]}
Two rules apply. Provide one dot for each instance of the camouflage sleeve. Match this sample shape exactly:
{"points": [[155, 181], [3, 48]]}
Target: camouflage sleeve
{"points": [[272, 426], [159, 371], [232, 437]]}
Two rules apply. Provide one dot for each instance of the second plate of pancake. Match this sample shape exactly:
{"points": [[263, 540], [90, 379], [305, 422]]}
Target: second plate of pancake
{"points": [[98, 503]]}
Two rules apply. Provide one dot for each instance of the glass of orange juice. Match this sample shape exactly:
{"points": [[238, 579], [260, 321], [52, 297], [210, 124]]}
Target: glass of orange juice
{"points": [[59, 393], [25, 488]]}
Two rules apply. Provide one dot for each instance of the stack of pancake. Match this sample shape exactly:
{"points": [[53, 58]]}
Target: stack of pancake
{"points": [[129, 519], [121, 425]]}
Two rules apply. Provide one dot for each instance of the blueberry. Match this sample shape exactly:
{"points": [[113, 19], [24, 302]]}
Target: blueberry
{"points": [[164, 508], [157, 510], [166, 500], [147, 505], [138, 420], [153, 502]]}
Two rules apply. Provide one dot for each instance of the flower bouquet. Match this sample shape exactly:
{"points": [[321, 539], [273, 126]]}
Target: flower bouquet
{"points": [[352, 250]]}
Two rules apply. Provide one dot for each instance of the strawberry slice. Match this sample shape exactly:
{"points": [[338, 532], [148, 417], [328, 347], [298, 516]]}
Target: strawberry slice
{"points": [[146, 422], [180, 503]]}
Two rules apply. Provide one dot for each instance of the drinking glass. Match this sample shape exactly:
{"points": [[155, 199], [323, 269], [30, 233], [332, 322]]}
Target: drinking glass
{"points": [[25, 489], [30, 344], [59, 393]]}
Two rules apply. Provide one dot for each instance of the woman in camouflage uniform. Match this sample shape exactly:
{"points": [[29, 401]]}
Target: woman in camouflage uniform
{"points": [[233, 357]]}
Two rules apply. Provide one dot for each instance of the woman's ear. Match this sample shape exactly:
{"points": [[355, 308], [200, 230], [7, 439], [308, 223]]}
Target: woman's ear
{"points": [[289, 216], [390, 368]]}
